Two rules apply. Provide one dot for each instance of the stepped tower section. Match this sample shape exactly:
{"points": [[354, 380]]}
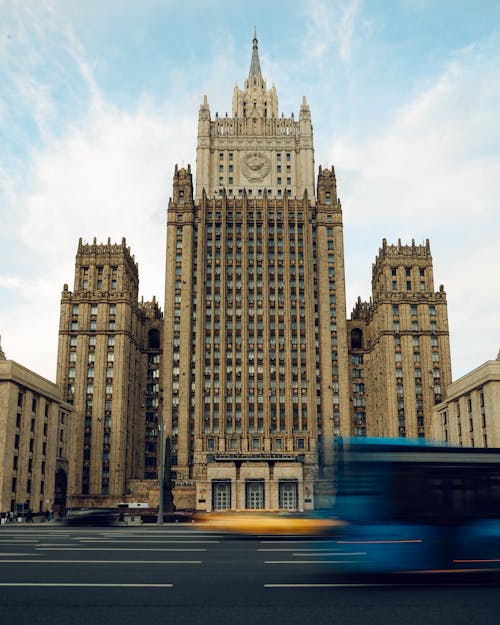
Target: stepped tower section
{"points": [[255, 150]]}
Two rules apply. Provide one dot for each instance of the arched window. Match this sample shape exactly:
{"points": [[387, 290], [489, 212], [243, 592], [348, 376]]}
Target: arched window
{"points": [[356, 338], [154, 339]]}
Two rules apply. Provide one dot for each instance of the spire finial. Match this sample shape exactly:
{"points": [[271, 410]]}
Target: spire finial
{"points": [[2, 355], [255, 63]]}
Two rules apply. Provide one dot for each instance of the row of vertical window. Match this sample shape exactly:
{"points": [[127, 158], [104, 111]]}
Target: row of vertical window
{"points": [[414, 308], [99, 278], [414, 327]]}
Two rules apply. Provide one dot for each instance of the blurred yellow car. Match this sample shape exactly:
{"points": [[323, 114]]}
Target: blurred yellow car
{"points": [[275, 523]]}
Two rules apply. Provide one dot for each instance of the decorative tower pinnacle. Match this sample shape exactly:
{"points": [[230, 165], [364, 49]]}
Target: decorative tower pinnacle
{"points": [[2, 355]]}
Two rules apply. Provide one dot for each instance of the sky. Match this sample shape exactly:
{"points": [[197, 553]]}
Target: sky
{"points": [[99, 100]]}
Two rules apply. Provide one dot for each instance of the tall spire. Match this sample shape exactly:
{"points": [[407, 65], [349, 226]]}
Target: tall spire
{"points": [[255, 63]]}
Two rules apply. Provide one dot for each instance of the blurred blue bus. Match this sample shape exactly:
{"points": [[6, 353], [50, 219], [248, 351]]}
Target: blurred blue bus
{"points": [[415, 507]]}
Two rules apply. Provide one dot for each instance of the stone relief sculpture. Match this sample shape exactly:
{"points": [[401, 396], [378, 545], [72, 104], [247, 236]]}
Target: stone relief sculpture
{"points": [[255, 166]]}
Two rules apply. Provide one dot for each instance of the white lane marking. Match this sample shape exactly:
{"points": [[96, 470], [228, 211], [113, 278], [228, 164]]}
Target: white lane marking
{"points": [[287, 541], [303, 550], [85, 549], [103, 561], [35, 535], [153, 530], [160, 542], [83, 585], [40, 544], [11, 555], [308, 561], [331, 553], [352, 585], [156, 534]]}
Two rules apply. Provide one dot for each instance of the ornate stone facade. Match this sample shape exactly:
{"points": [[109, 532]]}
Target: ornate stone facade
{"points": [[109, 370], [399, 346], [259, 367], [255, 150]]}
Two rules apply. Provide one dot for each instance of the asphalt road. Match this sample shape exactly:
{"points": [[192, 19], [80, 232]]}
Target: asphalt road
{"points": [[180, 574]]}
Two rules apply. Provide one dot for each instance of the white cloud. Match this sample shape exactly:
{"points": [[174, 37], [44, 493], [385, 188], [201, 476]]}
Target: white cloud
{"points": [[432, 173], [100, 172], [330, 24], [474, 304], [14, 283], [109, 176]]}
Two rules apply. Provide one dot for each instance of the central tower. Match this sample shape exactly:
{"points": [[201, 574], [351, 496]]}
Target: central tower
{"points": [[255, 321], [255, 149]]}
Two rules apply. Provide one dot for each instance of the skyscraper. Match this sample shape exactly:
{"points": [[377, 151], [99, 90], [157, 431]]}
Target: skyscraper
{"points": [[255, 323]]}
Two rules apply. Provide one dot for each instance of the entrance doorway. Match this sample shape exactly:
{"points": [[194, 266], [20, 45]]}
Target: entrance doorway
{"points": [[221, 495], [254, 495], [288, 496]]}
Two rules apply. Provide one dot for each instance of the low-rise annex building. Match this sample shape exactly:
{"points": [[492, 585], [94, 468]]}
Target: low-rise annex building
{"points": [[33, 456], [470, 415]]}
